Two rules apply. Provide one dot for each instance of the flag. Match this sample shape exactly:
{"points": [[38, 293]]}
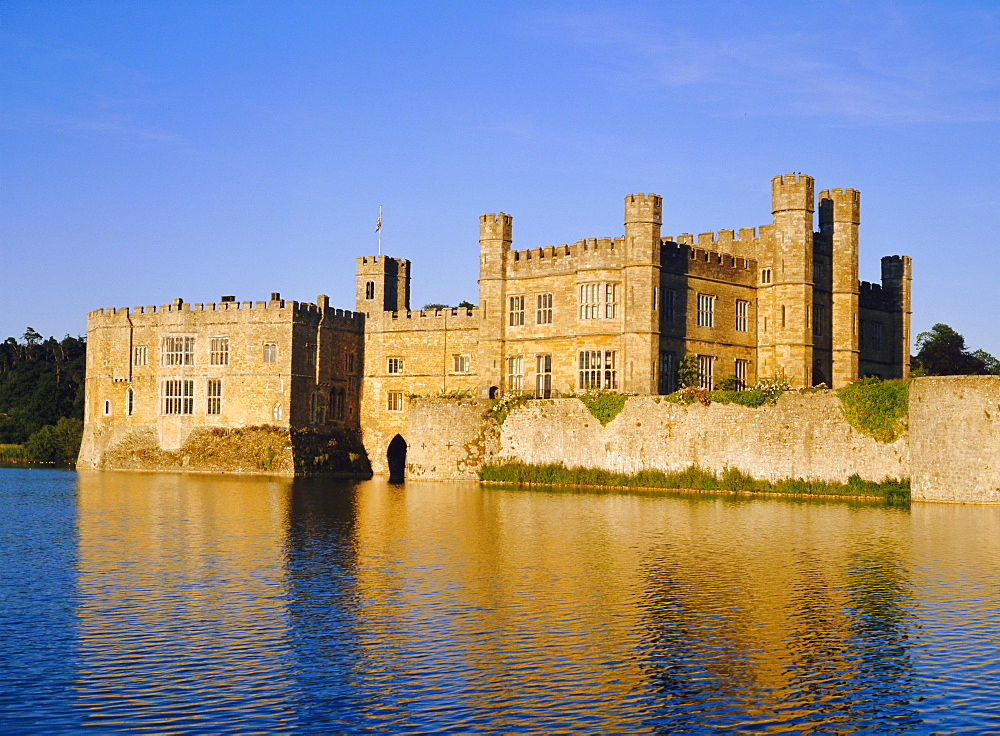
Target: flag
{"points": [[378, 222]]}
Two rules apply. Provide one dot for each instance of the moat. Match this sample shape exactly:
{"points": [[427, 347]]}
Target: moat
{"points": [[208, 603]]}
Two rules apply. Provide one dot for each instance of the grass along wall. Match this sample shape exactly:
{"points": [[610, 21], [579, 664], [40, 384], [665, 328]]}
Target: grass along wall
{"points": [[799, 436]]}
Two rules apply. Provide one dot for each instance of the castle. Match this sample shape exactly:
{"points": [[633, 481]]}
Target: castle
{"points": [[613, 314]]}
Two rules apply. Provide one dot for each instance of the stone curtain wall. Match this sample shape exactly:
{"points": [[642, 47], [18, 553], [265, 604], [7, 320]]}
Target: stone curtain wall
{"points": [[801, 436], [449, 439], [951, 451], [955, 438]]}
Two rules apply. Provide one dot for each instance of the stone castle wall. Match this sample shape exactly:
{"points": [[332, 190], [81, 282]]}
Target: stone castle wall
{"points": [[801, 436], [955, 438], [951, 451]]}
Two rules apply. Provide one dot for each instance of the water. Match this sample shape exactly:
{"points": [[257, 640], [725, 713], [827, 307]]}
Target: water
{"points": [[162, 603]]}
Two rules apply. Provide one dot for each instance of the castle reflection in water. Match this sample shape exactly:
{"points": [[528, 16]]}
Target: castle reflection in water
{"points": [[317, 602]]}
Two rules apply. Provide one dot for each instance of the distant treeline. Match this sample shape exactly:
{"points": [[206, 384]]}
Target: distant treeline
{"points": [[41, 382]]}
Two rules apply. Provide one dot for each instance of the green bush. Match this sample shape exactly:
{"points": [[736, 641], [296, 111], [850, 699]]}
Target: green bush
{"points": [[692, 478], [876, 408], [58, 443], [500, 408], [604, 406]]}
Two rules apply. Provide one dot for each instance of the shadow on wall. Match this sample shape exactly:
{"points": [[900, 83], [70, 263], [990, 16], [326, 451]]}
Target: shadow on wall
{"points": [[396, 458]]}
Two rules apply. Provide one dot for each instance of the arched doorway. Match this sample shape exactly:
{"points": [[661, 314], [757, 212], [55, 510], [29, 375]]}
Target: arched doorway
{"points": [[494, 392], [396, 458]]}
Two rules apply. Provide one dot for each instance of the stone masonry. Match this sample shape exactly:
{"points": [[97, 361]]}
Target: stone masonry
{"points": [[605, 313]]}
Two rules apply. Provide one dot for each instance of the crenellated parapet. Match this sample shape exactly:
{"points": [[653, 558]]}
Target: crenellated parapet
{"points": [[450, 318], [230, 309], [687, 259], [587, 253]]}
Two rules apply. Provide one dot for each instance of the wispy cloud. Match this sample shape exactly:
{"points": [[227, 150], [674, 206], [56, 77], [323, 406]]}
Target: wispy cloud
{"points": [[881, 66]]}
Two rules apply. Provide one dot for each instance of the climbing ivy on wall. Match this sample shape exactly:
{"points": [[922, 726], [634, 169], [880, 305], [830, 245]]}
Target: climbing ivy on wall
{"points": [[604, 406], [876, 408]]}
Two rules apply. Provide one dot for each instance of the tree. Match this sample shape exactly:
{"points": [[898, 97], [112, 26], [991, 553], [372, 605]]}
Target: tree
{"points": [[991, 363], [941, 352], [687, 371]]}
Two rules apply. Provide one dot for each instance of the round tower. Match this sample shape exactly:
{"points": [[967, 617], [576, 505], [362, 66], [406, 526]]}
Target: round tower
{"points": [[640, 323], [792, 204], [839, 217], [495, 235]]}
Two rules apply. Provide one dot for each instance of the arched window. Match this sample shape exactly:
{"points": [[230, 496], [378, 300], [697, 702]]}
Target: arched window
{"points": [[129, 401], [276, 413], [107, 408], [370, 290]]}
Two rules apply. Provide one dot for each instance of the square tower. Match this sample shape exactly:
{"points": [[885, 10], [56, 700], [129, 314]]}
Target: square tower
{"points": [[383, 285]]}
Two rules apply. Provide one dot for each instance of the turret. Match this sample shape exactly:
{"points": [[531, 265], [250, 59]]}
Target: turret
{"points": [[839, 217], [643, 218], [495, 235], [792, 206], [640, 317], [382, 284]]}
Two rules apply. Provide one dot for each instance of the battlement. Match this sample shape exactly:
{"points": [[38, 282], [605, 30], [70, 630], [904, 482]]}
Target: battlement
{"points": [[643, 207], [604, 252], [451, 318], [495, 226], [275, 305], [680, 257], [839, 205], [792, 192], [375, 264]]}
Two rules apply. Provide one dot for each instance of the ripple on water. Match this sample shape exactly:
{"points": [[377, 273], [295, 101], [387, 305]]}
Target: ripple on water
{"points": [[154, 603]]}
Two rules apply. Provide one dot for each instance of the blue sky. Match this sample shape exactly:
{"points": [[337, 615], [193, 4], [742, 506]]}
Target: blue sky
{"points": [[153, 150]]}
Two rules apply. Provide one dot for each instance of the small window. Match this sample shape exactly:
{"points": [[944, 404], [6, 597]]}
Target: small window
{"points": [[129, 401], [515, 374], [876, 335], [178, 351], [742, 310], [598, 369], [667, 314], [611, 301], [706, 368], [590, 301], [395, 401], [370, 290], [394, 365], [668, 372], [543, 309], [218, 351], [819, 318], [107, 408], [276, 413], [349, 362], [765, 276], [461, 363], [337, 403], [817, 272], [543, 376], [140, 355], [214, 392], [516, 312], [740, 371], [599, 300], [270, 352], [706, 310], [177, 397]]}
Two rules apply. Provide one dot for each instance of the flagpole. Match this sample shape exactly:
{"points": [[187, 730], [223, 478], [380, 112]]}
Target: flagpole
{"points": [[378, 229]]}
